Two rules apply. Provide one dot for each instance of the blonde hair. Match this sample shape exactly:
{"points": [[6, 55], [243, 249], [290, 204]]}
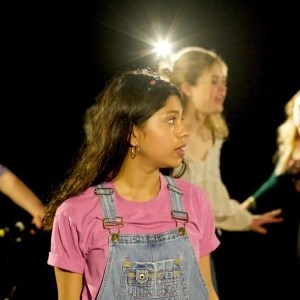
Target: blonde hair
{"points": [[287, 134], [186, 66]]}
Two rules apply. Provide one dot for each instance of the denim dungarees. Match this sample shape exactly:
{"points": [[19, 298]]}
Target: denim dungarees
{"points": [[150, 266]]}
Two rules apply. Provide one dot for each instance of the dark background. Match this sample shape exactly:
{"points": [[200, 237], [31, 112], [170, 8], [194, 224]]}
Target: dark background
{"points": [[57, 55]]}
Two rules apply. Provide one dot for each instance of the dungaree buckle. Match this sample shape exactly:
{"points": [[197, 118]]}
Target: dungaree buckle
{"points": [[109, 223], [181, 216]]}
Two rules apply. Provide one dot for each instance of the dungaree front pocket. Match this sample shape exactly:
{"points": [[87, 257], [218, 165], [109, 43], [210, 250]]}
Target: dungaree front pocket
{"points": [[154, 280]]}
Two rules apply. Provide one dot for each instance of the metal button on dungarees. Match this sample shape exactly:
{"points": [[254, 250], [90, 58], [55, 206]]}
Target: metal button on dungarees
{"points": [[142, 276], [181, 231], [115, 237]]}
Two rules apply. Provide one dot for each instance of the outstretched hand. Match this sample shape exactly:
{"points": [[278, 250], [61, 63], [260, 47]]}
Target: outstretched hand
{"points": [[37, 217], [267, 218]]}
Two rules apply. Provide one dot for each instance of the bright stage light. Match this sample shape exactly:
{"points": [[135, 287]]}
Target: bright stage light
{"points": [[163, 48]]}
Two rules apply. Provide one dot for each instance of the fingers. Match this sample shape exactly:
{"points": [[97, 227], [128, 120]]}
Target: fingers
{"points": [[270, 217], [275, 220], [261, 230], [273, 216], [37, 221], [275, 212]]}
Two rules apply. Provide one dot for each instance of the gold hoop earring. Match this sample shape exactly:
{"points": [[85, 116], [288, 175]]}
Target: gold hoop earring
{"points": [[134, 151]]}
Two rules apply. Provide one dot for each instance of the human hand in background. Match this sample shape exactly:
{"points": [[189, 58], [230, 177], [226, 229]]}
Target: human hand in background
{"points": [[15, 189], [267, 218], [37, 216]]}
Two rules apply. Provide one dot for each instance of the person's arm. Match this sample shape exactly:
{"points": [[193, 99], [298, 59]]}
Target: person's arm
{"points": [[243, 220], [22, 195], [269, 184], [69, 285], [204, 264], [235, 217]]}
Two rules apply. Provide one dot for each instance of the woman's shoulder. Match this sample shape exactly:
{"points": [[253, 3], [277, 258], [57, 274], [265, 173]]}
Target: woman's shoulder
{"points": [[80, 204], [194, 197], [189, 188]]}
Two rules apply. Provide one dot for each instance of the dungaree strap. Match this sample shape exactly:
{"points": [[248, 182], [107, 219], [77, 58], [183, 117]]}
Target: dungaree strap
{"points": [[175, 193], [110, 221], [107, 200], [109, 208], [178, 212]]}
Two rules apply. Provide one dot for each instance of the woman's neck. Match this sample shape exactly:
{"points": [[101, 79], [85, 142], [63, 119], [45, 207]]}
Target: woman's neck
{"points": [[200, 140], [133, 183], [194, 119]]}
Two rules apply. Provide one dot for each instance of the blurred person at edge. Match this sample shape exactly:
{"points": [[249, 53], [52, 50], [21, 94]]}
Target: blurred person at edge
{"points": [[283, 188], [17, 191], [296, 111], [201, 75]]}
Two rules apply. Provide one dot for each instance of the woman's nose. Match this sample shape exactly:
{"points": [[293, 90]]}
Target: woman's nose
{"points": [[183, 132]]}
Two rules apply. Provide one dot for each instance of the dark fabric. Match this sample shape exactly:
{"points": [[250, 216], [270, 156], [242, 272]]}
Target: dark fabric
{"points": [[263, 266], [281, 242]]}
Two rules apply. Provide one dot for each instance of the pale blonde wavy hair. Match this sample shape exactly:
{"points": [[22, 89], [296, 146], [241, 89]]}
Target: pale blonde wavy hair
{"points": [[186, 66], [287, 134]]}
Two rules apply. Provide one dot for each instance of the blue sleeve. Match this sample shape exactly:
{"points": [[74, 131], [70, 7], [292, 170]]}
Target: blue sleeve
{"points": [[3, 170]]}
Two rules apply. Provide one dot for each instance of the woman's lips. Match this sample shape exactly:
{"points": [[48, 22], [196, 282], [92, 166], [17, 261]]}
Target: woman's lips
{"points": [[180, 151]]}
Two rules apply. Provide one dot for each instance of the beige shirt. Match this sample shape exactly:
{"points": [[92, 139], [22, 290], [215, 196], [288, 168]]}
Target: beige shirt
{"points": [[228, 213]]}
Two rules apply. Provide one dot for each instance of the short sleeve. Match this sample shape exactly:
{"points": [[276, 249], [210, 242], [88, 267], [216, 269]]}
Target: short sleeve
{"points": [[65, 252]]}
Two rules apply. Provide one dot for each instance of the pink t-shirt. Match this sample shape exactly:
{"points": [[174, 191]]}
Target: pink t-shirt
{"points": [[79, 242]]}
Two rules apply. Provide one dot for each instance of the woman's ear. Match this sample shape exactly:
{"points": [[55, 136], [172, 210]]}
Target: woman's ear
{"points": [[133, 136], [186, 89]]}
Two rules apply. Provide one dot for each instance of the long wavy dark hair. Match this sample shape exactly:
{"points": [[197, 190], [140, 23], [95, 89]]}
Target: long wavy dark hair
{"points": [[129, 99]]}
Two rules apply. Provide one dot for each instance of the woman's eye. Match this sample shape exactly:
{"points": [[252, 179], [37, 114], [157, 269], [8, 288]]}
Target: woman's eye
{"points": [[171, 120], [219, 82]]}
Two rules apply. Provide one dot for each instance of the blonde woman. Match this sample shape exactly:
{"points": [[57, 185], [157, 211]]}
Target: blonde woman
{"points": [[287, 156], [201, 75], [283, 186], [296, 111]]}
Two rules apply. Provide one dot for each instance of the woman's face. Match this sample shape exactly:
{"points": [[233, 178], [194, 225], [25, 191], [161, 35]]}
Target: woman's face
{"points": [[208, 95], [162, 139], [296, 112]]}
